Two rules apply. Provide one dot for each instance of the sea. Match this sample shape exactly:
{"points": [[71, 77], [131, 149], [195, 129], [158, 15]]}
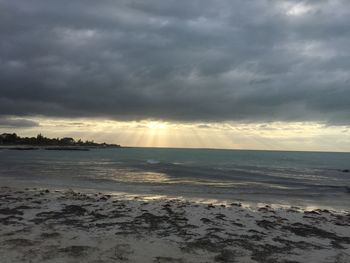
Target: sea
{"points": [[278, 178]]}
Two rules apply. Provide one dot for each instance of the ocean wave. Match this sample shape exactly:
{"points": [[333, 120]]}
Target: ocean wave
{"points": [[151, 161]]}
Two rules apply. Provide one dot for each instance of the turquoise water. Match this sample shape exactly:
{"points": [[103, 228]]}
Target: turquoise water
{"points": [[291, 178]]}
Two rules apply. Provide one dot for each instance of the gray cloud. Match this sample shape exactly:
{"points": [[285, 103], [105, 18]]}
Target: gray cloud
{"points": [[7, 122], [198, 60]]}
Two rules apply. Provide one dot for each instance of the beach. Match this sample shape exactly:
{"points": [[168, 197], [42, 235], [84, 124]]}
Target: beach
{"points": [[48, 225]]}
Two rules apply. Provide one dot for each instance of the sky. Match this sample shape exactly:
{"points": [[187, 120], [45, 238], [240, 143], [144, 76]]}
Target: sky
{"points": [[257, 74]]}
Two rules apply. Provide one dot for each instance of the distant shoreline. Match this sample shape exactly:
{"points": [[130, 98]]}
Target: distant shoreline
{"points": [[12, 141], [54, 147]]}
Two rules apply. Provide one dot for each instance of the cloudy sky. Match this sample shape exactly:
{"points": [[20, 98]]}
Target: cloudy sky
{"points": [[257, 74]]}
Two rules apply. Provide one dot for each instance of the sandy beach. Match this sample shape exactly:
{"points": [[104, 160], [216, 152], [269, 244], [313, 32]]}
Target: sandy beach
{"points": [[41, 225]]}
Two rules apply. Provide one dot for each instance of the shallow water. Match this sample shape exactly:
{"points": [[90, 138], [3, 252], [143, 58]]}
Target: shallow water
{"points": [[286, 178]]}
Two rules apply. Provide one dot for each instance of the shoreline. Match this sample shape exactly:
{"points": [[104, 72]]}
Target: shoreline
{"points": [[129, 193], [70, 226]]}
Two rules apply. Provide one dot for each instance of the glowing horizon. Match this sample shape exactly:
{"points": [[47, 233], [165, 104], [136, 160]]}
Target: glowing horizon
{"points": [[299, 136]]}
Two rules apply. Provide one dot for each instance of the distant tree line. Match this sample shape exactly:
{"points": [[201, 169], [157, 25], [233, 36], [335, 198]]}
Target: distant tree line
{"points": [[40, 140]]}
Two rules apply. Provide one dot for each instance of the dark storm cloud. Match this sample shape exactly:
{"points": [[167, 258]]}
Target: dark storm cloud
{"points": [[197, 60]]}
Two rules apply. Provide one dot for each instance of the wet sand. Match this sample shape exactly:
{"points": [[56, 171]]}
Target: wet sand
{"points": [[41, 225]]}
